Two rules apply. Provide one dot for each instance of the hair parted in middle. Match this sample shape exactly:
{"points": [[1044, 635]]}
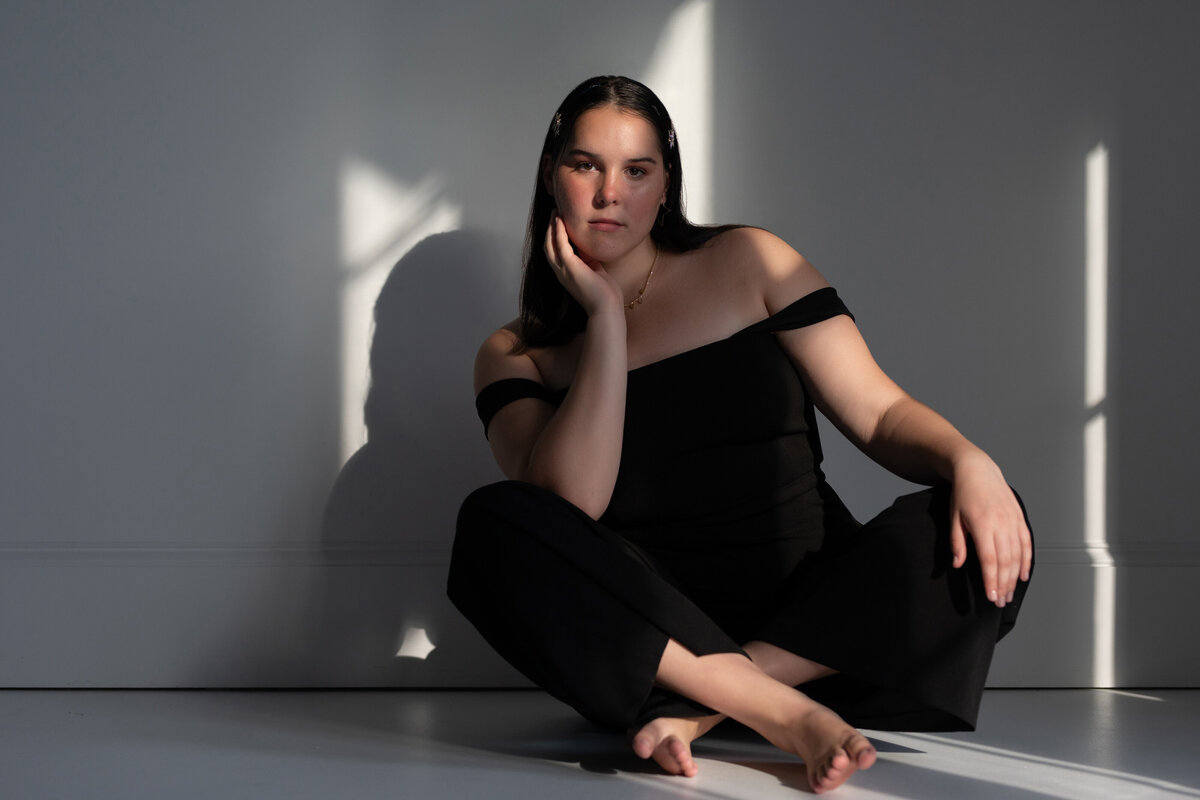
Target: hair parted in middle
{"points": [[549, 315]]}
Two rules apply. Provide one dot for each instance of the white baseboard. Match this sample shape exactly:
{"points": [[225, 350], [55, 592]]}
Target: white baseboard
{"points": [[143, 615]]}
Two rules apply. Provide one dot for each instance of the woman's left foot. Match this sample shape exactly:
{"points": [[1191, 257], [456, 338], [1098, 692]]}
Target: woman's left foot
{"points": [[668, 740]]}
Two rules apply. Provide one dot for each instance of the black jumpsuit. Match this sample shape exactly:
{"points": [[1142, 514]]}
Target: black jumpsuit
{"points": [[722, 530]]}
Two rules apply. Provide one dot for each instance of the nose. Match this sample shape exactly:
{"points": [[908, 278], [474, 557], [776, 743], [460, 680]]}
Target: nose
{"points": [[607, 191]]}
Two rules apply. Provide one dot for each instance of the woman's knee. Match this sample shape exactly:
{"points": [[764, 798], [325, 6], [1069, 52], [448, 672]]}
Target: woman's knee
{"points": [[493, 496], [490, 528], [509, 505]]}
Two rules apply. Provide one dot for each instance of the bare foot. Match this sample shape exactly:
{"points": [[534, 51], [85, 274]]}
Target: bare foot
{"points": [[668, 740], [831, 749]]}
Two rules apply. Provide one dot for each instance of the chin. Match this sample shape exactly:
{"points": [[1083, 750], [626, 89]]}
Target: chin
{"points": [[603, 247]]}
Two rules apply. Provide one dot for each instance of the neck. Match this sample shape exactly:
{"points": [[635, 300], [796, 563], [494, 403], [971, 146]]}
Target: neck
{"points": [[631, 269]]}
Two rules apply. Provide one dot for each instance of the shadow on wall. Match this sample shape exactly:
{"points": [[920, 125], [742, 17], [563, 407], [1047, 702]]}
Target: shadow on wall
{"points": [[389, 519]]}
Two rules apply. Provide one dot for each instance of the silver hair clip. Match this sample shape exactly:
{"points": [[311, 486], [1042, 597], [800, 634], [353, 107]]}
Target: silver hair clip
{"points": [[671, 139], [556, 126]]}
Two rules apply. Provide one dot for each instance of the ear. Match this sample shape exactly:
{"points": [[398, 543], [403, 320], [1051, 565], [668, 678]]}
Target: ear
{"points": [[547, 174]]}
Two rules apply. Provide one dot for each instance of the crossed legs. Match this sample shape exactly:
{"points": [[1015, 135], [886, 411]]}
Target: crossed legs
{"points": [[553, 566], [759, 694]]}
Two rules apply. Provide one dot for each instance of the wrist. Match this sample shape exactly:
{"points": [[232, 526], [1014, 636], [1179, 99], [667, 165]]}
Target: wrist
{"points": [[970, 460], [607, 316]]}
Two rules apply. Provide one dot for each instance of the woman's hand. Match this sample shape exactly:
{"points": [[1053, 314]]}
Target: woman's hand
{"points": [[588, 283], [573, 450], [983, 505]]}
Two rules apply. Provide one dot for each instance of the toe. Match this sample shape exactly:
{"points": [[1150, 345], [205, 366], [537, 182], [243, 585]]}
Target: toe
{"points": [[643, 745], [666, 756], [862, 752], [683, 757], [833, 772]]}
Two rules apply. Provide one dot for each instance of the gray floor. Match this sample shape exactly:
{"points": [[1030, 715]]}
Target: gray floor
{"points": [[521, 744]]}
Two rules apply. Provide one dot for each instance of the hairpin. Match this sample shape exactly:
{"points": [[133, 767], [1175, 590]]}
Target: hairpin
{"points": [[671, 139], [556, 126]]}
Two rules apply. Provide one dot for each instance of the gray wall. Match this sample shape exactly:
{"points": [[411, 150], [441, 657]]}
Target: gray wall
{"points": [[174, 510]]}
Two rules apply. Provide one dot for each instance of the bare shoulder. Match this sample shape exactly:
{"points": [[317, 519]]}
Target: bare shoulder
{"points": [[500, 357], [760, 258]]}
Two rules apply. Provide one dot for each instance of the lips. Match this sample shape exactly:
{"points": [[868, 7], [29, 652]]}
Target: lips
{"points": [[604, 224]]}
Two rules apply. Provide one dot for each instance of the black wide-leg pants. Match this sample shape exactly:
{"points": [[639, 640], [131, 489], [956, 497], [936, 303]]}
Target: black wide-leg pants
{"points": [[585, 614]]}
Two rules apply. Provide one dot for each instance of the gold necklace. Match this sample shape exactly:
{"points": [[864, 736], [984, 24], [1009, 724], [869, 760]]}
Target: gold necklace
{"points": [[637, 301]]}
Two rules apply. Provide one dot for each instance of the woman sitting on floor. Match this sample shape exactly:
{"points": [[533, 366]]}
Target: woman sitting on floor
{"points": [[668, 552]]}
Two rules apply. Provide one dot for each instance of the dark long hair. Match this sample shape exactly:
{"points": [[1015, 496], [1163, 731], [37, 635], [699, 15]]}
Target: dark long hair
{"points": [[549, 315]]}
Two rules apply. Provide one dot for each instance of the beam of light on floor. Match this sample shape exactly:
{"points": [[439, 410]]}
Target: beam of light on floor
{"points": [[1095, 433], [415, 644], [382, 218], [1052, 777], [1136, 695], [680, 73]]}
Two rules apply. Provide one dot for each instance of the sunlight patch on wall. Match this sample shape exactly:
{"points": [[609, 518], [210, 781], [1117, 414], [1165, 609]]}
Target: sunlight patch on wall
{"points": [[1095, 432], [680, 73], [382, 218]]}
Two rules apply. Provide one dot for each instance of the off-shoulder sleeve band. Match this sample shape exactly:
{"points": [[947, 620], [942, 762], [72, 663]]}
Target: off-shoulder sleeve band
{"points": [[814, 307], [496, 396]]}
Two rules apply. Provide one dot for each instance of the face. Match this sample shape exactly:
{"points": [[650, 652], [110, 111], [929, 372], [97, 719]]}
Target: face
{"points": [[609, 183]]}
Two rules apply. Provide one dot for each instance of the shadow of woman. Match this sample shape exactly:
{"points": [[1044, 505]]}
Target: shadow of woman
{"points": [[389, 519]]}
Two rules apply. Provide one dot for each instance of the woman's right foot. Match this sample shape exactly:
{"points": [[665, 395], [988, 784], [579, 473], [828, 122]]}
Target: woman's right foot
{"points": [[832, 750]]}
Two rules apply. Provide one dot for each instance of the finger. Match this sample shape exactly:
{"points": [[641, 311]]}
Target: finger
{"points": [[1026, 551], [1004, 564], [1018, 552], [548, 246], [559, 243], [958, 542], [1012, 568], [562, 244], [985, 550], [1018, 556]]}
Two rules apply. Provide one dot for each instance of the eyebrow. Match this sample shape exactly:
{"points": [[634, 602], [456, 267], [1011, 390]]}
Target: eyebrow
{"points": [[594, 157]]}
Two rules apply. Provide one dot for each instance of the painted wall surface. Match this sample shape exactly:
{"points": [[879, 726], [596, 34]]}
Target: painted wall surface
{"points": [[203, 207]]}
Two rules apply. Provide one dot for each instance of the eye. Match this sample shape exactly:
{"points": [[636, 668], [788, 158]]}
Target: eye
{"points": [[636, 172], [584, 166]]}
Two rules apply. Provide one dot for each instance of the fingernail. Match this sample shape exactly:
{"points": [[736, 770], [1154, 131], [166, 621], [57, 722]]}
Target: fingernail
{"points": [[992, 595], [1009, 599]]}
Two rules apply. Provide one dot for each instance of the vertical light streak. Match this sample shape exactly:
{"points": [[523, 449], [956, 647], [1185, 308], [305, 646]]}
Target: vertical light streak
{"points": [[680, 73], [1095, 434], [1096, 386]]}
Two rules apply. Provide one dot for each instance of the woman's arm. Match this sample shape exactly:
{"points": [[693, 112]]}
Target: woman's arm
{"points": [[900, 433], [574, 450]]}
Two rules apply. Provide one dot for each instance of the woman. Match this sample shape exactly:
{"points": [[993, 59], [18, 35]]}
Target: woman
{"points": [[668, 552]]}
